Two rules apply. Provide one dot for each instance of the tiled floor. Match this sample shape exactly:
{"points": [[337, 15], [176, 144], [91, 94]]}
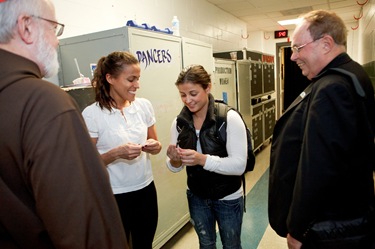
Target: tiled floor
{"points": [[256, 234]]}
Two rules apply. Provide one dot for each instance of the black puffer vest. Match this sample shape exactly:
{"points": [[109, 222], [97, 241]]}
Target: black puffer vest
{"points": [[206, 184]]}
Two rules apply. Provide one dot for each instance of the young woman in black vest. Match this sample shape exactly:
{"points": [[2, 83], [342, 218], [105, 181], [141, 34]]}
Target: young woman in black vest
{"points": [[214, 169]]}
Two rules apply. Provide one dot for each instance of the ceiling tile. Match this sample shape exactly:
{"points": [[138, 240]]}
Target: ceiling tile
{"points": [[263, 14]]}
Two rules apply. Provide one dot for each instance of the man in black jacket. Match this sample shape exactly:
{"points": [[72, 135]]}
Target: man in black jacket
{"points": [[321, 188]]}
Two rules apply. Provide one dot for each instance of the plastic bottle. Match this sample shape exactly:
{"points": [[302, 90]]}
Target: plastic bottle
{"points": [[175, 26]]}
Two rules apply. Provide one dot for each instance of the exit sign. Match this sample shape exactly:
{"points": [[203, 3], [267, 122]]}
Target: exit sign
{"points": [[281, 34]]}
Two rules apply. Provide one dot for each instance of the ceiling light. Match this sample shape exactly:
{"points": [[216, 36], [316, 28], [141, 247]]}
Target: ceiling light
{"points": [[290, 22]]}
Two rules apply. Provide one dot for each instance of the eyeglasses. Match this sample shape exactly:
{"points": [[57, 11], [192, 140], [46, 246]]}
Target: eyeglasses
{"points": [[297, 49], [59, 28]]}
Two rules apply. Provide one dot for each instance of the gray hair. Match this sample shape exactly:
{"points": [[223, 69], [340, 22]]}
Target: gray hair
{"points": [[322, 22], [10, 10]]}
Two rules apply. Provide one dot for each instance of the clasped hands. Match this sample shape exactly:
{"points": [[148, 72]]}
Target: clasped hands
{"points": [[188, 157], [131, 151]]}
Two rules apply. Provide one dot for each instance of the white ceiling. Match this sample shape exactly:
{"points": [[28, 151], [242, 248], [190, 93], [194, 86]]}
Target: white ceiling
{"points": [[262, 15]]}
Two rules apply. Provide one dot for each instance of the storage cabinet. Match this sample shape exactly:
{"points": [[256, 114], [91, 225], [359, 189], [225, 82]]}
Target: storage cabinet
{"points": [[256, 79], [243, 77], [257, 125], [255, 82], [268, 78], [269, 117]]}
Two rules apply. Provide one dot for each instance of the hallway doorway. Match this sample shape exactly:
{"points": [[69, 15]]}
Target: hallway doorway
{"points": [[290, 82]]}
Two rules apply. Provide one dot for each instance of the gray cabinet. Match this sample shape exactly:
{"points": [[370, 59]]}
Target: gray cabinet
{"points": [[269, 117], [255, 82], [257, 127]]}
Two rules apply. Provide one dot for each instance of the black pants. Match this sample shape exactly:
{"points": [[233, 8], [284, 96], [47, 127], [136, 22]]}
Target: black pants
{"points": [[344, 244], [355, 233], [363, 241], [139, 215]]}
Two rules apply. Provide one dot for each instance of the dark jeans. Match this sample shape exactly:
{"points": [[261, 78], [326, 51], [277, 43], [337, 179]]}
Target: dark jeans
{"points": [[205, 213], [139, 215]]}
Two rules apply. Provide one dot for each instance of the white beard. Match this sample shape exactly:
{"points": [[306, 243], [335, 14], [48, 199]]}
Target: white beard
{"points": [[46, 56]]}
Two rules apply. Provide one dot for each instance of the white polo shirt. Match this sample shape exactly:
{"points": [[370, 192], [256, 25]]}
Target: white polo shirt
{"points": [[113, 129]]}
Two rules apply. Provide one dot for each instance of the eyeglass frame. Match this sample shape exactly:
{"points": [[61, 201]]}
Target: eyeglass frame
{"points": [[297, 49], [59, 30]]}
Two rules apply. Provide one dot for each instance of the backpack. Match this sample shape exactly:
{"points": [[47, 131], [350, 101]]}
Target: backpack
{"points": [[221, 109]]}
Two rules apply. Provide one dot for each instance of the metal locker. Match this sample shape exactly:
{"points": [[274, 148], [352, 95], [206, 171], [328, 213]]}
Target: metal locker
{"points": [[269, 113], [257, 125]]}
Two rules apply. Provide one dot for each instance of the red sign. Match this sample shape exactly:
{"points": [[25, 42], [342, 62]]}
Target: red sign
{"points": [[281, 34]]}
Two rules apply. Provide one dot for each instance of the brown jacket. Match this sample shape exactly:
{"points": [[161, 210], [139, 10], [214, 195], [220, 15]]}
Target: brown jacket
{"points": [[54, 189]]}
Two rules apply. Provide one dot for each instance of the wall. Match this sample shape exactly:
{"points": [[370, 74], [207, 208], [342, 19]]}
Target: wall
{"points": [[199, 19], [266, 43], [367, 25]]}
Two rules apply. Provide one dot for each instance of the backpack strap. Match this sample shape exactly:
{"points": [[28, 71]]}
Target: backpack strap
{"points": [[221, 110], [357, 86]]}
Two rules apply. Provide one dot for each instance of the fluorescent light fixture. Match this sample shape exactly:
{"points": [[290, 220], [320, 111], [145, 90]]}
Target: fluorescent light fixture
{"points": [[290, 22]]}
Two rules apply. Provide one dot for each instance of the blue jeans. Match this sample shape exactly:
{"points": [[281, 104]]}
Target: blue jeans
{"points": [[205, 213]]}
